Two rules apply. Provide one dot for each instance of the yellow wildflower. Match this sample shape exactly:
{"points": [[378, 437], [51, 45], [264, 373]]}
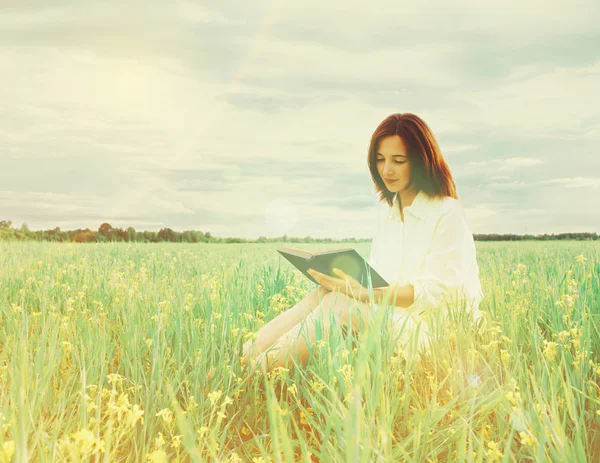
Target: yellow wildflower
{"points": [[214, 396], [293, 389], [8, 450], [166, 414], [160, 440], [511, 398], [527, 439], [135, 414], [494, 452], [176, 442], [550, 350], [86, 441], [158, 456]]}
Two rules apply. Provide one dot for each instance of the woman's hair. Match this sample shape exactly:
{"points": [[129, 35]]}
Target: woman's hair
{"points": [[429, 171]]}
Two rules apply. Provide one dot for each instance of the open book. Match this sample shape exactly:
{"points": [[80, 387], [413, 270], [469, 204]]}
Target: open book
{"points": [[346, 259]]}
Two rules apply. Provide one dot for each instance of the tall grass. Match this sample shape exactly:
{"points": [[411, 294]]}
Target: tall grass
{"points": [[130, 352]]}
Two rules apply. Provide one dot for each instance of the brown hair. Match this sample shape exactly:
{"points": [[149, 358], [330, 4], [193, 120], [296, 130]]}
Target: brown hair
{"points": [[429, 171]]}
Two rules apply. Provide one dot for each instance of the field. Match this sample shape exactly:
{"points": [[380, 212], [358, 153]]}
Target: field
{"points": [[131, 352]]}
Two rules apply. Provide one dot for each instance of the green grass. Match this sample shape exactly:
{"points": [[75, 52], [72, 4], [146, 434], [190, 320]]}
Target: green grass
{"points": [[124, 352]]}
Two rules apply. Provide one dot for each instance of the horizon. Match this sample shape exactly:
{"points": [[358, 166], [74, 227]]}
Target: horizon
{"points": [[291, 237]]}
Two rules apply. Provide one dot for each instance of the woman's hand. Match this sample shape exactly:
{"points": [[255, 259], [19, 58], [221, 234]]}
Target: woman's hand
{"points": [[345, 284]]}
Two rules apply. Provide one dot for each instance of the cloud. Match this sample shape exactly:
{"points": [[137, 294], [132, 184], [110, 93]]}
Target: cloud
{"points": [[528, 212], [577, 182], [480, 211], [514, 185], [515, 163], [478, 163], [452, 149], [509, 164], [552, 103]]}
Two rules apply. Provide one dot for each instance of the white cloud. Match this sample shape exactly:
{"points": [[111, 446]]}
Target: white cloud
{"points": [[537, 101], [532, 211], [514, 185], [478, 163], [481, 211], [452, 149], [515, 163], [320, 62], [509, 164], [190, 11], [576, 182]]}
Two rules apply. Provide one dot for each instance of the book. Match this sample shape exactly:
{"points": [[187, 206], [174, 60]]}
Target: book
{"points": [[346, 259]]}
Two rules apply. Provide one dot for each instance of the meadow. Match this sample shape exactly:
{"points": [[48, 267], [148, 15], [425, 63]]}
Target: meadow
{"points": [[131, 352]]}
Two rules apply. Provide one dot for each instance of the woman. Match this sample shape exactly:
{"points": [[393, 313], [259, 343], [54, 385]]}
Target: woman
{"points": [[422, 246]]}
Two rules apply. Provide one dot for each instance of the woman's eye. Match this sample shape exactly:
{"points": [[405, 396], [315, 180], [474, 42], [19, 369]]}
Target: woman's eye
{"points": [[397, 162]]}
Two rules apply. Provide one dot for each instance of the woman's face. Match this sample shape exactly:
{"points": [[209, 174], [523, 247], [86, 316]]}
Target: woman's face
{"points": [[393, 163]]}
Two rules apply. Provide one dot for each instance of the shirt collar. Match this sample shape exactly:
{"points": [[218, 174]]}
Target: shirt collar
{"points": [[418, 207]]}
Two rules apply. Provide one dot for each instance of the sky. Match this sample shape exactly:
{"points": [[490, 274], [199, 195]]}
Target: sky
{"points": [[248, 119]]}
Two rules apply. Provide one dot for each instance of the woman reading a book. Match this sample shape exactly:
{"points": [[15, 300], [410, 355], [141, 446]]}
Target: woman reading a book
{"points": [[422, 246]]}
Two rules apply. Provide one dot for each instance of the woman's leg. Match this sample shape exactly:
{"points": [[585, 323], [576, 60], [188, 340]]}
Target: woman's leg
{"points": [[275, 328], [336, 307]]}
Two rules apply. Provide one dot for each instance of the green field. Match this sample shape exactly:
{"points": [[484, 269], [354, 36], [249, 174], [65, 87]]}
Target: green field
{"points": [[130, 352]]}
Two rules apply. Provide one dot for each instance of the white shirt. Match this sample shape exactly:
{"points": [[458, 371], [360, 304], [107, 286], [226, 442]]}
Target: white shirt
{"points": [[433, 250]]}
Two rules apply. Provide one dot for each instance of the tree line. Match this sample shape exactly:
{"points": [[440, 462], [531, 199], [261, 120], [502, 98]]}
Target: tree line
{"points": [[108, 233]]}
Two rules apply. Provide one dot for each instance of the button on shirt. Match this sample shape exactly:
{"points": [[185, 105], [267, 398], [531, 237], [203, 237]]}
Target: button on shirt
{"points": [[433, 250]]}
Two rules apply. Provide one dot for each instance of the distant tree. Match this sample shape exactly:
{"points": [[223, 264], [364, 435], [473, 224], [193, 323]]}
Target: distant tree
{"points": [[84, 236], [166, 234], [5, 223], [150, 237], [131, 234], [189, 236], [120, 234], [105, 230], [56, 235]]}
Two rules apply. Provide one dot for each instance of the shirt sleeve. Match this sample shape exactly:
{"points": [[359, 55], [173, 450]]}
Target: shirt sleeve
{"points": [[448, 266]]}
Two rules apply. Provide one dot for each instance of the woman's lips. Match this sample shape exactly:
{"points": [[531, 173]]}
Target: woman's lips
{"points": [[389, 181]]}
